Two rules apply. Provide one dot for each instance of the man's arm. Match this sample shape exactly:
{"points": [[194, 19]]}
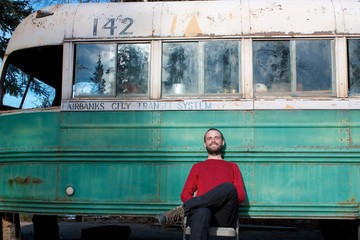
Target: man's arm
{"points": [[190, 185], [239, 184]]}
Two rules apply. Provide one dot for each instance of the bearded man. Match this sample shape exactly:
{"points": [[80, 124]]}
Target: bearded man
{"points": [[212, 192]]}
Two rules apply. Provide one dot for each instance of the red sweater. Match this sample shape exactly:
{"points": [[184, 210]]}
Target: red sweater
{"points": [[206, 175]]}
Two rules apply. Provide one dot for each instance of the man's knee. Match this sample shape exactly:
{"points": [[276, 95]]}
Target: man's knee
{"points": [[200, 214], [230, 190], [229, 186]]}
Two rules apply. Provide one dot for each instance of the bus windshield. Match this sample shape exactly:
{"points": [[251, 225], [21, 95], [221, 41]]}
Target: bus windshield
{"points": [[23, 91], [32, 79]]}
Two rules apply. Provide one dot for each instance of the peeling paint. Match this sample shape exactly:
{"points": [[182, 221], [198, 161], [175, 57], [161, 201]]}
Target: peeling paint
{"points": [[193, 28], [173, 25]]}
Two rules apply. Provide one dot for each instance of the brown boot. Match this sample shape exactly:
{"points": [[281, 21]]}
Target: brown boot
{"points": [[171, 217]]}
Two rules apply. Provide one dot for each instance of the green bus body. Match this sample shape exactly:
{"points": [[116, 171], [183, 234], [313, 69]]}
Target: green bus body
{"points": [[295, 164]]}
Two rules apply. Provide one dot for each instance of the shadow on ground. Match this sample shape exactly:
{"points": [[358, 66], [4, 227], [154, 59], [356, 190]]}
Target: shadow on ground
{"points": [[147, 229]]}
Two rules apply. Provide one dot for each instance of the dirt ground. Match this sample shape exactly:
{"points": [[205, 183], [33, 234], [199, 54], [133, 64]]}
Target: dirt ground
{"points": [[145, 229]]}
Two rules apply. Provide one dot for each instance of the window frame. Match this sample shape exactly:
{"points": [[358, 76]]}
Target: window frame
{"points": [[294, 93], [71, 47], [246, 69], [201, 80]]}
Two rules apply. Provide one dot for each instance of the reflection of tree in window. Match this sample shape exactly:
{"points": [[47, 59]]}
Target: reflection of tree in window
{"points": [[226, 69], [180, 68], [19, 85], [43, 95], [176, 66], [131, 70], [98, 77], [354, 66], [272, 63], [15, 82]]}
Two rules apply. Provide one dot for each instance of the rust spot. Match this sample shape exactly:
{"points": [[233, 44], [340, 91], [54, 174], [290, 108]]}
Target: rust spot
{"points": [[324, 33], [37, 180], [350, 139], [27, 180], [349, 201]]}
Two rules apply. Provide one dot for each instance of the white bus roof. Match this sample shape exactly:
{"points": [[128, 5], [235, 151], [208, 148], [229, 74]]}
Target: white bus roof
{"points": [[145, 20]]}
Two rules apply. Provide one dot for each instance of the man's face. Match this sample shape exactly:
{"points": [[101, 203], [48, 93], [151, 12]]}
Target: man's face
{"points": [[214, 142]]}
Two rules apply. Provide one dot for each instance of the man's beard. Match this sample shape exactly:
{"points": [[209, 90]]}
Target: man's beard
{"points": [[214, 151]]}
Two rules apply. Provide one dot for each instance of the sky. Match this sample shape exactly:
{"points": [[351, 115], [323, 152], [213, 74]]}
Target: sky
{"points": [[37, 4]]}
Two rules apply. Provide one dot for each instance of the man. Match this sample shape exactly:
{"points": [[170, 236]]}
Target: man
{"points": [[218, 187]]}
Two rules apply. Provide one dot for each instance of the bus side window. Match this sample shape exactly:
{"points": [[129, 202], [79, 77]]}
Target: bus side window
{"points": [[94, 70], [354, 66], [180, 68], [293, 68], [272, 74], [133, 69], [109, 70], [222, 67], [22, 91], [206, 67]]}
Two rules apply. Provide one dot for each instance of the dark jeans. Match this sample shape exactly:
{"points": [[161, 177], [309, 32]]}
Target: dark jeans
{"points": [[218, 207]]}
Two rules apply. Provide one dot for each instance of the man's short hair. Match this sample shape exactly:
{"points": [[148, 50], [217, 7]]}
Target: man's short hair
{"points": [[211, 129]]}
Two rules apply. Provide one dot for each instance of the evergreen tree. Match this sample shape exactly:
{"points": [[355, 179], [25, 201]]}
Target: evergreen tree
{"points": [[176, 66], [98, 76], [130, 69], [11, 14], [15, 82]]}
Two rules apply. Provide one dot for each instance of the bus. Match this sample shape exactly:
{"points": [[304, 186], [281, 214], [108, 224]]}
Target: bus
{"points": [[104, 106]]}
